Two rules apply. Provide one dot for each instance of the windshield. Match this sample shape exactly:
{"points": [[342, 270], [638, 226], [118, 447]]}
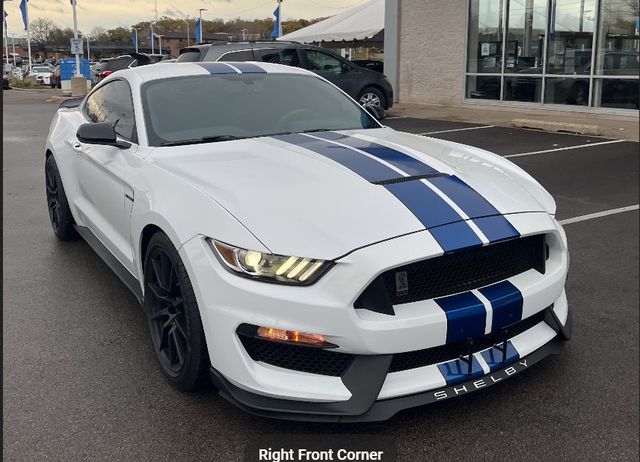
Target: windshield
{"points": [[196, 109]]}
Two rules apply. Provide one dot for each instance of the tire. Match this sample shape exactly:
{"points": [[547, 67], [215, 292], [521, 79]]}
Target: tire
{"points": [[59, 212], [371, 96], [173, 315]]}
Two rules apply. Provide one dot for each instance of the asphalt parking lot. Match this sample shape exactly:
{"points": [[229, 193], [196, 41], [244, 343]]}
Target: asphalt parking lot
{"points": [[80, 376]]}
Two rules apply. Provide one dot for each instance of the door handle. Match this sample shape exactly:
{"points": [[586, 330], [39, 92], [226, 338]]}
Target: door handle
{"points": [[77, 146]]}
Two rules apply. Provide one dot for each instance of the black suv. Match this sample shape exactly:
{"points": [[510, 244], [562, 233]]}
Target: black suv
{"points": [[365, 86]]}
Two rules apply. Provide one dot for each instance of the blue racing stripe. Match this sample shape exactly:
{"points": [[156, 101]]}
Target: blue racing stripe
{"points": [[474, 205], [433, 212], [456, 371], [466, 316], [405, 162], [367, 168], [455, 236], [429, 208], [496, 228], [217, 68], [506, 303], [493, 357], [248, 68], [465, 197]]}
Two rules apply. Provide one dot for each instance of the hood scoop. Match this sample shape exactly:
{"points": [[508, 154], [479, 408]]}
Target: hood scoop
{"points": [[405, 179]]}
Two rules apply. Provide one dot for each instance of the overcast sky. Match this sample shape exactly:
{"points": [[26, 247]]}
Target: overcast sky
{"points": [[113, 13]]}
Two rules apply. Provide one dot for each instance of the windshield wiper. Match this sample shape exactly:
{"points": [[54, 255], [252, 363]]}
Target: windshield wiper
{"points": [[204, 139]]}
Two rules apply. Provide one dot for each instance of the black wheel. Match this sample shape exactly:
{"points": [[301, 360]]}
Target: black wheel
{"points": [[371, 96], [173, 315], [59, 213]]}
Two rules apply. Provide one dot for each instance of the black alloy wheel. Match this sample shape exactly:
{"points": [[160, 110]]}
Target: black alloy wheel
{"points": [[59, 212], [174, 319]]}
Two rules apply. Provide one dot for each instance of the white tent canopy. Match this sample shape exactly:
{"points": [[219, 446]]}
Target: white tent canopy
{"points": [[359, 23]]}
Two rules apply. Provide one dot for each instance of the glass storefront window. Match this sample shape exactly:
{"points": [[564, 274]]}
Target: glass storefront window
{"points": [[526, 89], [567, 91], [618, 38], [549, 52], [485, 36], [525, 36], [617, 93], [570, 36], [483, 87]]}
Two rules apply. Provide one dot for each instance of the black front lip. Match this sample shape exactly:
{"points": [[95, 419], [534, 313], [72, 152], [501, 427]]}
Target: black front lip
{"points": [[364, 380]]}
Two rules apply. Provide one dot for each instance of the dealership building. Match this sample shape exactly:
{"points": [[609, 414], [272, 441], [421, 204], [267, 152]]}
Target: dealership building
{"points": [[581, 55]]}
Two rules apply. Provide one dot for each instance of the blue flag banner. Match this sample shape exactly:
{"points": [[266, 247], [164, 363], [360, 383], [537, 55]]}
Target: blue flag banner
{"points": [[198, 31], [276, 24], [5, 18], [134, 39], [150, 38], [23, 9]]}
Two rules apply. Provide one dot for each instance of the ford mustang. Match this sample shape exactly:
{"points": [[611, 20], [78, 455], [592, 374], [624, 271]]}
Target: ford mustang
{"points": [[310, 262]]}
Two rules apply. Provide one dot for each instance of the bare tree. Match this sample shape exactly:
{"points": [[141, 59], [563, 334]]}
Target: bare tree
{"points": [[41, 29], [99, 34]]}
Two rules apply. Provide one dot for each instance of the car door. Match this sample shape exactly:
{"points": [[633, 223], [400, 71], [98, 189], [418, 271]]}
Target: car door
{"points": [[333, 69], [106, 195]]}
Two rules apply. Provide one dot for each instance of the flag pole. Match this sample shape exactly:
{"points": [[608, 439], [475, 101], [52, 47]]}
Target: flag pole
{"points": [[13, 43], [280, 19], [6, 37], [152, 38], [26, 10]]}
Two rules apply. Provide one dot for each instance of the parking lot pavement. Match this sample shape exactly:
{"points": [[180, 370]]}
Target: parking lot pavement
{"points": [[80, 379]]}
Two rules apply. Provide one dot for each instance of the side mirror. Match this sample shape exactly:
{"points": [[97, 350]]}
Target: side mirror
{"points": [[99, 133], [376, 111]]}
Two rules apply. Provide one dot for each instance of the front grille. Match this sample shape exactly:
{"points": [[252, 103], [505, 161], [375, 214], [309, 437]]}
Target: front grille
{"points": [[420, 358], [454, 272], [298, 358]]}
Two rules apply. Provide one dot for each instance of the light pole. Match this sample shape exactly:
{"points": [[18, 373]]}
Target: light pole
{"points": [[152, 36], [88, 49], [75, 35], [13, 43], [135, 31], [244, 34], [200, 22], [160, 43], [187, 21]]}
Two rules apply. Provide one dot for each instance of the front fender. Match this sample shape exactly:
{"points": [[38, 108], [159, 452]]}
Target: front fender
{"points": [[182, 212]]}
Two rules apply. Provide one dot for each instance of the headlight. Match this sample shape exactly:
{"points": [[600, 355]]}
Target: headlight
{"points": [[267, 267]]}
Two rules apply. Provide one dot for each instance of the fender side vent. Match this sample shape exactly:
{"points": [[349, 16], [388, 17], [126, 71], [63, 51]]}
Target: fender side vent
{"points": [[404, 179]]}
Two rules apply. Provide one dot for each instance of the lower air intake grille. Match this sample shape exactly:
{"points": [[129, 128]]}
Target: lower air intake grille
{"points": [[456, 272], [421, 358], [298, 358]]}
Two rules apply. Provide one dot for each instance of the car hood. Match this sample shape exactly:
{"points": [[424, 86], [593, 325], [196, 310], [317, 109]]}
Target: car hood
{"points": [[298, 201]]}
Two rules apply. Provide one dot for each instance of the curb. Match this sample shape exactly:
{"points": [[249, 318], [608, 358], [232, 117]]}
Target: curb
{"points": [[566, 127]]}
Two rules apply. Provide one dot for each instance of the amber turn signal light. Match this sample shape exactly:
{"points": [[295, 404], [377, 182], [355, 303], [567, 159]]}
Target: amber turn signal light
{"points": [[291, 336]]}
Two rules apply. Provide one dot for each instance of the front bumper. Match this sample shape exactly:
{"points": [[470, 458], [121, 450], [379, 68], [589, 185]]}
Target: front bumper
{"points": [[227, 301], [365, 379]]}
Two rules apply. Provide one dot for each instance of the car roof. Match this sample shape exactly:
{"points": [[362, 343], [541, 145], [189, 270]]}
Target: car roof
{"points": [[150, 72]]}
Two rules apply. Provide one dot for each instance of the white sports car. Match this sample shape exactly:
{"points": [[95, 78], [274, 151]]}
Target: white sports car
{"points": [[310, 262]]}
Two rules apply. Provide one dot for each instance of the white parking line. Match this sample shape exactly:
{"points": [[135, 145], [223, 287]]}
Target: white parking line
{"points": [[395, 117], [456, 130], [567, 148], [605, 213]]}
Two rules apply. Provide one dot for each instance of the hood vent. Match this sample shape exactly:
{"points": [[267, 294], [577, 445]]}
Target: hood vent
{"points": [[404, 179]]}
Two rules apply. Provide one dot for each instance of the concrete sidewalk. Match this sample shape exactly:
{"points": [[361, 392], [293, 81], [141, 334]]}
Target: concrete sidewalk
{"points": [[605, 125]]}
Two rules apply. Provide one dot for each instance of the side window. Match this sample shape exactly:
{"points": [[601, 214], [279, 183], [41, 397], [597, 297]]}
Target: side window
{"points": [[245, 55], [287, 56], [112, 103], [318, 61]]}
